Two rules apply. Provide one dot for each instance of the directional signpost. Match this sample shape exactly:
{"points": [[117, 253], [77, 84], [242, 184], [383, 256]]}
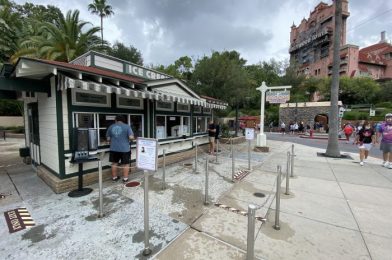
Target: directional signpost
{"points": [[278, 97]]}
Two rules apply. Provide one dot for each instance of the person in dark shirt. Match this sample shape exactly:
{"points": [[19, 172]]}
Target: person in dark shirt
{"points": [[364, 139], [211, 136]]}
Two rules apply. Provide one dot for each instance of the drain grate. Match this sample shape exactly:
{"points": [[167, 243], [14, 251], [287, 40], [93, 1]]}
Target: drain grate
{"points": [[188, 165], [132, 184], [259, 194], [3, 196]]}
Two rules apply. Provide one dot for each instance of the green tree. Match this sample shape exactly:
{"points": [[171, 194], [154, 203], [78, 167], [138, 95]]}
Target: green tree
{"points": [[41, 13], [181, 69], [63, 40], [119, 50], [10, 30], [223, 76], [103, 10], [385, 93]]}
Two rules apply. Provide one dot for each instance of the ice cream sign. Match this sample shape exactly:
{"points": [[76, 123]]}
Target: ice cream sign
{"points": [[144, 73]]}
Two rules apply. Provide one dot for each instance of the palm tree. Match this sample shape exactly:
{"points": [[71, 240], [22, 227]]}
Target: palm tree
{"points": [[63, 40], [100, 8], [333, 144], [10, 30]]}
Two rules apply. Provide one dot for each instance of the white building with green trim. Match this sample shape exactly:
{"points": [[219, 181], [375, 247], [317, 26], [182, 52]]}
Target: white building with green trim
{"points": [[88, 92]]}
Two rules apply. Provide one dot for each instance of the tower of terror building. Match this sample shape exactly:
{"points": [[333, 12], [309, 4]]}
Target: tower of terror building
{"points": [[311, 48], [311, 41]]}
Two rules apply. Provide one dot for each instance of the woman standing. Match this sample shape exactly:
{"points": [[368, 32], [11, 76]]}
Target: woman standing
{"points": [[364, 139]]}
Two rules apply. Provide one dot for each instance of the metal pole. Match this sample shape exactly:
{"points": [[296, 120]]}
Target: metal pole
{"points": [[292, 160], [232, 160], [206, 188], [100, 214], [217, 150], [147, 249], [164, 170], [196, 158], [250, 245], [249, 154], [287, 174], [277, 198]]}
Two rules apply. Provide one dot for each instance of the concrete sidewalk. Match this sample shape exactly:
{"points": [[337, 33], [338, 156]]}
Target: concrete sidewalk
{"points": [[336, 210]]}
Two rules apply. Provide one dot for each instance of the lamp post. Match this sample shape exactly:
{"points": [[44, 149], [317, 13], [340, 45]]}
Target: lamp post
{"points": [[261, 137]]}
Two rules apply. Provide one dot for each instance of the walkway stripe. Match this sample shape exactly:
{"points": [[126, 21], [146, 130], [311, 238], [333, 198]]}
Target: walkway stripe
{"points": [[234, 210]]}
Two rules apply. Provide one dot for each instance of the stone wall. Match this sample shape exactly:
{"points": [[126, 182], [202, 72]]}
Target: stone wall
{"points": [[305, 114]]}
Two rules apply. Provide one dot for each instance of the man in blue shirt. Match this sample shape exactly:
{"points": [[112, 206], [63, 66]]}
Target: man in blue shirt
{"points": [[119, 135]]}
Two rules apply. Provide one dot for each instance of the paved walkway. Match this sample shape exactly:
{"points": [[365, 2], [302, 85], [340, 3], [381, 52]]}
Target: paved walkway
{"points": [[336, 209]]}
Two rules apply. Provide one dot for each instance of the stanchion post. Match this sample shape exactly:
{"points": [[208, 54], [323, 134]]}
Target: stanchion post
{"points": [[287, 174], [164, 170], [147, 250], [292, 160], [196, 158], [217, 150], [250, 244], [100, 213], [232, 160], [206, 186], [277, 198], [249, 155]]}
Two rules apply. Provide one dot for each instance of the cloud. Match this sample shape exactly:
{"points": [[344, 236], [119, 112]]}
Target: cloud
{"points": [[165, 30]]}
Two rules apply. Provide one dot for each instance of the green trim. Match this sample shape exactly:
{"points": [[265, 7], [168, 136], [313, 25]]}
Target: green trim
{"points": [[60, 132], [92, 60], [22, 84], [70, 119], [50, 170], [70, 175]]}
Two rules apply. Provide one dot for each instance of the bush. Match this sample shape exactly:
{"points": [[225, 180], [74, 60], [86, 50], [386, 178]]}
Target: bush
{"points": [[356, 115], [384, 104], [13, 129], [225, 131]]}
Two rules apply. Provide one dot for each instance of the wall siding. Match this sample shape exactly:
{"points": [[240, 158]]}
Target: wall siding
{"points": [[48, 130], [175, 90], [108, 64]]}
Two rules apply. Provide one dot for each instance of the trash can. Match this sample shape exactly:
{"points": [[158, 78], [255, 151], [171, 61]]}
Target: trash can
{"points": [[24, 152]]}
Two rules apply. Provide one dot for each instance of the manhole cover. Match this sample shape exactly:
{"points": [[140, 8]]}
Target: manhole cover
{"points": [[132, 184], [259, 194], [188, 164], [2, 195]]}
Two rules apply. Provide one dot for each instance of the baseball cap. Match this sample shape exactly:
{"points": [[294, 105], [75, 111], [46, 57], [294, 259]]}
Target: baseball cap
{"points": [[388, 115]]}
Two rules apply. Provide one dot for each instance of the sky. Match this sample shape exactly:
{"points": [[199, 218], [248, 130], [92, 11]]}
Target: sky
{"points": [[165, 30]]}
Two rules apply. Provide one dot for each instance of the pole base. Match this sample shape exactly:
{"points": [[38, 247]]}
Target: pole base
{"points": [[261, 140], [276, 227], [147, 251], [79, 192]]}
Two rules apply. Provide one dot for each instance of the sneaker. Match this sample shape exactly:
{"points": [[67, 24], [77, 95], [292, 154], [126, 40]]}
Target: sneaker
{"points": [[125, 180], [114, 179], [385, 164], [361, 163], [390, 166]]}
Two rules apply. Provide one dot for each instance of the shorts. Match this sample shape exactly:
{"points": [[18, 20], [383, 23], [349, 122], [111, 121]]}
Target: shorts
{"points": [[211, 139], [120, 157], [386, 147], [367, 147], [283, 129]]}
